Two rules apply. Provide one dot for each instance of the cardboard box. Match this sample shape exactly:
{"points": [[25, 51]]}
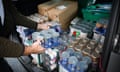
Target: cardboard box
{"points": [[65, 24], [43, 8], [63, 13]]}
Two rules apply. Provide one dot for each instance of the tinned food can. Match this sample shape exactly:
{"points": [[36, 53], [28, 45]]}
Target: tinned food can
{"points": [[79, 47], [95, 57], [98, 49], [90, 46], [93, 42], [85, 40], [86, 52], [82, 45], [73, 43], [100, 45]]}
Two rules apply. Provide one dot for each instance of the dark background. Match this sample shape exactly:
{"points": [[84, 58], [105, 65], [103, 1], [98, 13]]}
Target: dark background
{"points": [[27, 7]]}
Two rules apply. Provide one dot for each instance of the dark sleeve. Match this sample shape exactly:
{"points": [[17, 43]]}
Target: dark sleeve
{"points": [[10, 49], [20, 19]]}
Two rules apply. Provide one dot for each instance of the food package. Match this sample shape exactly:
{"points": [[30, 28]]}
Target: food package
{"points": [[63, 13], [43, 8]]}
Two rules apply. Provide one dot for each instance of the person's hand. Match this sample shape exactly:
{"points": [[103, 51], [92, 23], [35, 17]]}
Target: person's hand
{"points": [[44, 26], [35, 48]]}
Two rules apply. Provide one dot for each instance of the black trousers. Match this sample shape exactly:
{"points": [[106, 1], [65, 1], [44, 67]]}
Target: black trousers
{"points": [[4, 67]]}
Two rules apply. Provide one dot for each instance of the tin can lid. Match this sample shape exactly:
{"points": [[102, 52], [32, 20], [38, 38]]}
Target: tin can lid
{"points": [[98, 50], [85, 40], [95, 55], [87, 51], [93, 42], [89, 46]]}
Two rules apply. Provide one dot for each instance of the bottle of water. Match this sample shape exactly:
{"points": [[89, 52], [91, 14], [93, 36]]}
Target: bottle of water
{"points": [[78, 55], [47, 41], [87, 59], [70, 51], [81, 66], [72, 62], [55, 39], [64, 58]]}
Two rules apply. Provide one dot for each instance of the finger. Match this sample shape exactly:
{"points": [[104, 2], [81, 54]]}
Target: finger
{"points": [[42, 50], [48, 27], [39, 39], [49, 24], [36, 42]]}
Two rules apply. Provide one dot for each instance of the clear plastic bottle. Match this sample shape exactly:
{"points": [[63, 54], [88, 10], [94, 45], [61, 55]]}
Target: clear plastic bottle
{"points": [[47, 41], [81, 66], [55, 40], [72, 62], [36, 35], [70, 51], [64, 58], [87, 59], [78, 55]]}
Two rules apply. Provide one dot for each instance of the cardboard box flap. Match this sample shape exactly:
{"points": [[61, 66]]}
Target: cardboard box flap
{"points": [[47, 5]]}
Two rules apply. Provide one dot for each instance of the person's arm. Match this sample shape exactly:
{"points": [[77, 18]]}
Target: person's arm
{"points": [[24, 21], [20, 19], [10, 49], [35, 48]]}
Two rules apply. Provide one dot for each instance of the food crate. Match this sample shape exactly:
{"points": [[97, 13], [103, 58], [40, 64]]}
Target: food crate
{"points": [[96, 12]]}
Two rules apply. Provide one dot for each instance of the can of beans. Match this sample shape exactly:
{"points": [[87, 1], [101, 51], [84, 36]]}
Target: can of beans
{"points": [[93, 42], [98, 49], [86, 52], [79, 47], [90, 46], [82, 45], [95, 57], [85, 40]]}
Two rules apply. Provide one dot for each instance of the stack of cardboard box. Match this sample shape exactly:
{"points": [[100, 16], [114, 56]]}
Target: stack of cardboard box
{"points": [[45, 7], [62, 12]]}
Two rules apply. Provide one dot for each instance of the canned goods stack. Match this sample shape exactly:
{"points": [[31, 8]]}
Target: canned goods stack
{"points": [[100, 30], [50, 38], [38, 18], [71, 61], [81, 28], [90, 48], [73, 42], [50, 58], [25, 35], [56, 26], [81, 44]]}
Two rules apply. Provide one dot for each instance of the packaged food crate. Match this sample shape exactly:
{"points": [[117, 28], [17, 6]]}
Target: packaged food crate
{"points": [[96, 12]]}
